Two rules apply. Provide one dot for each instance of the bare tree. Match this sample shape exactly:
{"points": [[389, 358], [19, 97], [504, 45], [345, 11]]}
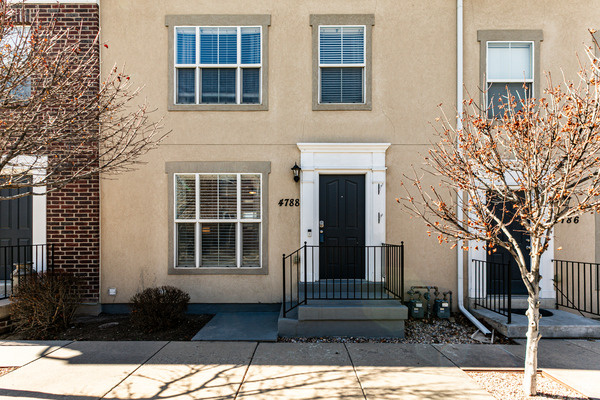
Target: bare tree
{"points": [[59, 121], [533, 166]]}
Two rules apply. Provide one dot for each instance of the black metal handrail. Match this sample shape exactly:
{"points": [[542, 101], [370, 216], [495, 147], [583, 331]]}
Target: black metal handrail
{"points": [[19, 263], [328, 272], [493, 287], [577, 285]]}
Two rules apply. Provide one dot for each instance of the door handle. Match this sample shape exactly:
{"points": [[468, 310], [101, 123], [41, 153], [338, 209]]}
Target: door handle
{"points": [[321, 224]]}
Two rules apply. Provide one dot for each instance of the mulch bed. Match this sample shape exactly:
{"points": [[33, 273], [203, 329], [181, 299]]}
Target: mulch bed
{"points": [[457, 330], [6, 370], [507, 386], [113, 327]]}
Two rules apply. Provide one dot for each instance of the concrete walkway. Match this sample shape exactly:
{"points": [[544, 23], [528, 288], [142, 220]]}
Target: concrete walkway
{"points": [[259, 370]]}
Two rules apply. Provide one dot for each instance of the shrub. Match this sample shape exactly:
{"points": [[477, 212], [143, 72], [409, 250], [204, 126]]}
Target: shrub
{"points": [[44, 304], [159, 308]]}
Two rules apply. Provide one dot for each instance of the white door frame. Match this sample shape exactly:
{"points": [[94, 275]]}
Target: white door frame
{"points": [[337, 159]]}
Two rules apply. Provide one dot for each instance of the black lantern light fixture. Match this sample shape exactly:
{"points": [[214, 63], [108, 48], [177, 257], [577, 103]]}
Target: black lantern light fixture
{"points": [[296, 170]]}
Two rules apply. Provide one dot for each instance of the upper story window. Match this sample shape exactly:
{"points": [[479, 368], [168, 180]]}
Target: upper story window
{"points": [[509, 66], [218, 62], [341, 64], [509, 72], [15, 50], [218, 65], [342, 61]]}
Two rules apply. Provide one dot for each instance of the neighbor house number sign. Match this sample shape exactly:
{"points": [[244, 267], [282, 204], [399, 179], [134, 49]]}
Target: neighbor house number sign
{"points": [[289, 203]]}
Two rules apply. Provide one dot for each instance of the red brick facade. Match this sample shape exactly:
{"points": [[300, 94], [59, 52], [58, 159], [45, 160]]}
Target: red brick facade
{"points": [[73, 212]]}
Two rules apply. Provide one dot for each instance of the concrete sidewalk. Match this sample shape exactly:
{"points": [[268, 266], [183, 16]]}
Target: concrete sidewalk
{"points": [[252, 370]]}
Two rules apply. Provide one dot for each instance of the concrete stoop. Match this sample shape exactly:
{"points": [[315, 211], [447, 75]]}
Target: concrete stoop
{"points": [[562, 324], [375, 318]]}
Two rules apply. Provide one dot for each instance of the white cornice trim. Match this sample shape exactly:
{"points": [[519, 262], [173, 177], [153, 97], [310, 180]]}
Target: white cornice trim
{"points": [[54, 2], [343, 147]]}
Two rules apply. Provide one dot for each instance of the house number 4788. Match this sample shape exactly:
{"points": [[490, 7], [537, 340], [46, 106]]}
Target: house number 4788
{"points": [[289, 203]]}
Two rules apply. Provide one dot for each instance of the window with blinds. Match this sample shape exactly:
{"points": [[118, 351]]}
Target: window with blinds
{"points": [[218, 220], [509, 73], [218, 65], [341, 64]]}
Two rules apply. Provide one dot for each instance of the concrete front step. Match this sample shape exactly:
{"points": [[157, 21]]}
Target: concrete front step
{"points": [[375, 318], [562, 324]]}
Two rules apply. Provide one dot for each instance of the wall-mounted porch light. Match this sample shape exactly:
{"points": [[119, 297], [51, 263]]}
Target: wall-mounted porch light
{"points": [[296, 170]]}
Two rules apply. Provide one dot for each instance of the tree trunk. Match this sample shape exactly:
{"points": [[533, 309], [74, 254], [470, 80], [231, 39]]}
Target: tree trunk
{"points": [[533, 333]]}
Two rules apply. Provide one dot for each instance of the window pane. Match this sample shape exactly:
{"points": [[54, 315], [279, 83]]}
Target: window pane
{"points": [[250, 187], [186, 239], [498, 59], [208, 196], [352, 85], [342, 85], [498, 95], [218, 85], [218, 196], [251, 245], [330, 45], [353, 45], [227, 45], [251, 85], [218, 245], [186, 85], [209, 42], [510, 60], [520, 61], [227, 196], [186, 196], [250, 45], [331, 85], [186, 45]]}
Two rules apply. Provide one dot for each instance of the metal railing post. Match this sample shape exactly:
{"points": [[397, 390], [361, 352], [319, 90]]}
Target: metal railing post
{"points": [[402, 271], [283, 260], [305, 274], [509, 282]]}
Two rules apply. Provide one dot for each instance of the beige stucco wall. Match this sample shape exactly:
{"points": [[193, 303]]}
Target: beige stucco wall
{"points": [[412, 73]]}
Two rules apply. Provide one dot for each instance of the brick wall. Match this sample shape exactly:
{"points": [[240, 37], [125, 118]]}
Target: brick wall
{"points": [[73, 212]]}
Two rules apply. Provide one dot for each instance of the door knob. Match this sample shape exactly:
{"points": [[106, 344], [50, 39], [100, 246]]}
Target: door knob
{"points": [[321, 224]]}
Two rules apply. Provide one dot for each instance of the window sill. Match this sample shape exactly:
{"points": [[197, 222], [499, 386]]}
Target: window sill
{"points": [[341, 107], [219, 271], [218, 107]]}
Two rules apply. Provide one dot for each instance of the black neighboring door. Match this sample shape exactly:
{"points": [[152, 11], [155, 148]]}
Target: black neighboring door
{"points": [[15, 227], [342, 226], [502, 255]]}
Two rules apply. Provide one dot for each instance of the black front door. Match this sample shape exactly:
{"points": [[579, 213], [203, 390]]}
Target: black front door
{"points": [[502, 256], [341, 226], [15, 228]]}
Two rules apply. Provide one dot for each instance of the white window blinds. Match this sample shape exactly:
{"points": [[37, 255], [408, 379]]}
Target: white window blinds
{"points": [[218, 220], [509, 72]]}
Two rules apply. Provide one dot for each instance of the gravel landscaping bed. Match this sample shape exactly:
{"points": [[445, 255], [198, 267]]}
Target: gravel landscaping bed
{"points": [[6, 370], [457, 330], [507, 386]]}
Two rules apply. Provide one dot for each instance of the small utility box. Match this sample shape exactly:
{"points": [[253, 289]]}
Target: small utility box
{"points": [[416, 309], [441, 308]]}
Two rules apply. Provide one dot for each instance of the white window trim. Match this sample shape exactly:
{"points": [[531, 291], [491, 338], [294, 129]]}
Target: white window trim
{"points": [[488, 81], [362, 65], [238, 66], [238, 221]]}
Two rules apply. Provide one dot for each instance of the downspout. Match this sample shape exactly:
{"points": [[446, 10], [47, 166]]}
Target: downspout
{"points": [[459, 211]]}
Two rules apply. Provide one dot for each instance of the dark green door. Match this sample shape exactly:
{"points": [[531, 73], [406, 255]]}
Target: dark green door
{"points": [[341, 226], [15, 229], [502, 256]]}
